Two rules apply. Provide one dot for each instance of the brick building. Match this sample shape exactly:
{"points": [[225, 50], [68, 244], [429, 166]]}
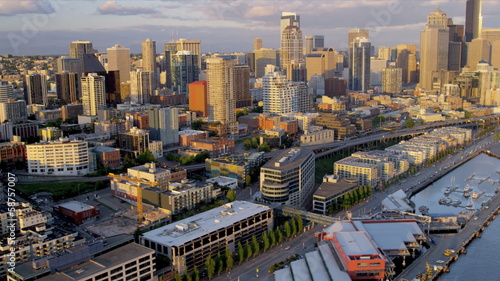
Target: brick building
{"points": [[77, 211], [216, 146]]}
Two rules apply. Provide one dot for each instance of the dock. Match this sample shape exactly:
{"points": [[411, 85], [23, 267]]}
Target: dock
{"points": [[457, 242]]}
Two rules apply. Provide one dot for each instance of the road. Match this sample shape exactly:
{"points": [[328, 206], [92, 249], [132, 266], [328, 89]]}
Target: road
{"points": [[247, 270]]}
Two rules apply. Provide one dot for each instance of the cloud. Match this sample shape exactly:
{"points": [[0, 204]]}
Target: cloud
{"points": [[15, 7], [113, 8]]}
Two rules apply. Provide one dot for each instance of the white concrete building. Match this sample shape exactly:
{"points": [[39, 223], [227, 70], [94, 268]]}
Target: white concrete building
{"points": [[58, 158]]}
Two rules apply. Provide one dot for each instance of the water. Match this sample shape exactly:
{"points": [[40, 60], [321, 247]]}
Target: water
{"points": [[481, 261], [482, 166]]}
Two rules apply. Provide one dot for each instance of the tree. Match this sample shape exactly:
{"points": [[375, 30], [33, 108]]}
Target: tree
{"points": [[198, 124], [248, 180], [279, 235], [248, 250], [188, 277], [210, 264], [231, 195], [177, 277], [288, 229], [229, 259], [129, 162], [410, 123], [294, 226], [255, 246], [241, 253], [146, 157], [220, 264], [196, 274], [272, 238], [264, 147], [265, 241], [300, 223], [258, 109]]}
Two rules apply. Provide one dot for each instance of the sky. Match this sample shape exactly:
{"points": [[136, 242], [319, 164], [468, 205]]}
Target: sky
{"points": [[46, 27]]}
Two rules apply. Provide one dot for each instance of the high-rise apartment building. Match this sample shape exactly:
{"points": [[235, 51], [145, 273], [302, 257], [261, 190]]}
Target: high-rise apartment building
{"points": [[184, 70], [257, 44], [221, 96], [93, 93], [190, 45], [68, 87], [473, 20], [148, 55], [264, 57], [288, 178], [141, 86], [281, 96], [392, 80], [198, 100], [134, 142], [164, 125], [36, 89], [119, 59], [434, 43], [359, 64], [6, 91], [241, 85], [13, 111]]}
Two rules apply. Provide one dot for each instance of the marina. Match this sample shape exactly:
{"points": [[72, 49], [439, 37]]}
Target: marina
{"points": [[472, 199]]}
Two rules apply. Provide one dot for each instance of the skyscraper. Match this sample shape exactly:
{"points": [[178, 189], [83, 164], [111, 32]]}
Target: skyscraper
{"points": [[93, 93], [257, 44], [68, 64], [190, 45], [456, 49], [319, 41], [359, 65], [149, 55], [309, 45], [392, 80], [478, 49], [141, 86], [184, 70], [325, 62], [164, 125], [221, 99], [473, 20], [198, 98], [291, 48], [357, 32], [434, 43], [68, 87], [288, 19], [407, 61], [241, 85], [6, 92], [291, 41], [78, 48], [263, 57], [119, 59], [36, 89]]}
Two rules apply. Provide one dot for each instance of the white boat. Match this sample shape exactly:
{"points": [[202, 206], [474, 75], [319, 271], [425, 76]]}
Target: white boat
{"points": [[456, 202], [466, 194], [442, 201], [448, 200], [475, 195], [467, 188], [470, 206], [447, 191]]}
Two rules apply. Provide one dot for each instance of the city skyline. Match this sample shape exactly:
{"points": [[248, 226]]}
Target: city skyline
{"points": [[45, 27]]}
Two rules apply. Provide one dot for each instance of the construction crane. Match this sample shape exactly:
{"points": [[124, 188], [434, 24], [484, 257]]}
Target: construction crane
{"points": [[138, 190]]}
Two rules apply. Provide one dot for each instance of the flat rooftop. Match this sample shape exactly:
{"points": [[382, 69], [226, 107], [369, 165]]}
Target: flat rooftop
{"points": [[288, 159], [329, 189], [76, 206], [356, 243], [121, 255], [181, 232]]}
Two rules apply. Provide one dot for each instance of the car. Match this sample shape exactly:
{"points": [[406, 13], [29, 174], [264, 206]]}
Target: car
{"points": [[287, 248], [440, 261]]}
